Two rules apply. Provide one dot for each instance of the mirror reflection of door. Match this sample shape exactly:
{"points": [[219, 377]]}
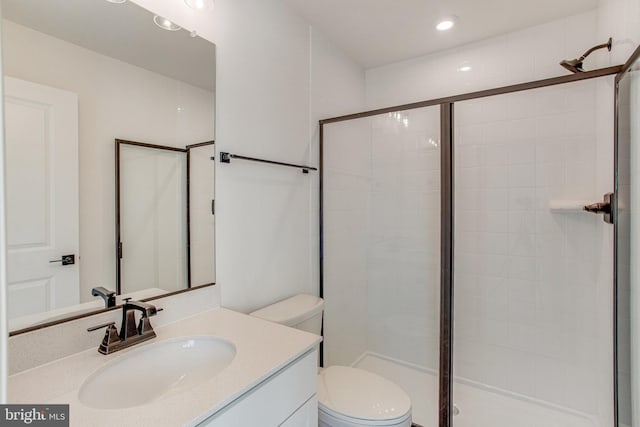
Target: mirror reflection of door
{"points": [[42, 196]]}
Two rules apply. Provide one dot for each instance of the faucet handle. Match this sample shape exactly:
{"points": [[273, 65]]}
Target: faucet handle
{"points": [[111, 337], [104, 325]]}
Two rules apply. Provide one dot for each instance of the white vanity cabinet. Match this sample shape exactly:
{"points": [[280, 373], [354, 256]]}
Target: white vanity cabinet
{"points": [[287, 398]]}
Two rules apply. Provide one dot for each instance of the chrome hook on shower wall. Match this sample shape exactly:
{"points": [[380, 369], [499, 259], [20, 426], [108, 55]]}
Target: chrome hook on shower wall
{"points": [[605, 207]]}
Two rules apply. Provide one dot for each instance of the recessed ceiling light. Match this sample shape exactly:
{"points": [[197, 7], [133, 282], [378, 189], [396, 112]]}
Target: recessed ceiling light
{"points": [[165, 24], [199, 4], [446, 23], [117, 1]]}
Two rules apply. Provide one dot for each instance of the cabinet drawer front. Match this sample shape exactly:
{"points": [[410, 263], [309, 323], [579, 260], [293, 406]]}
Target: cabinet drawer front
{"points": [[306, 416], [273, 401]]}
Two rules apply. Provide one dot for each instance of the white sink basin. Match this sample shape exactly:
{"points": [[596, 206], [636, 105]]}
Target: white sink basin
{"points": [[143, 375]]}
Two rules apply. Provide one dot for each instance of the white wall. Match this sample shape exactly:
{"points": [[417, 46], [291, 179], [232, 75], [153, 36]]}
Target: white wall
{"points": [[3, 263], [619, 19], [133, 104], [263, 215], [275, 77], [521, 56]]}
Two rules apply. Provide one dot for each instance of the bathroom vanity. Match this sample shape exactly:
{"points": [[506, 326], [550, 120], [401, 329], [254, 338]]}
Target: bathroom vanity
{"points": [[270, 379]]}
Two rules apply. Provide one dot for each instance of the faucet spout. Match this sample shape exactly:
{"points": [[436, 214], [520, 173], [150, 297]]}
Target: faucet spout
{"points": [[129, 328], [108, 296], [130, 333]]}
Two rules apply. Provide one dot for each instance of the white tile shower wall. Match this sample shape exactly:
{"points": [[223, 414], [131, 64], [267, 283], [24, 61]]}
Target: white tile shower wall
{"points": [[526, 301]]}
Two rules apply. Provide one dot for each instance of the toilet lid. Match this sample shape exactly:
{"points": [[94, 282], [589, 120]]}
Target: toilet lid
{"points": [[359, 394]]}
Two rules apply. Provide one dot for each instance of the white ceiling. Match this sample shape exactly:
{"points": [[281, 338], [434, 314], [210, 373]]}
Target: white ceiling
{"points": [[378, 32]]}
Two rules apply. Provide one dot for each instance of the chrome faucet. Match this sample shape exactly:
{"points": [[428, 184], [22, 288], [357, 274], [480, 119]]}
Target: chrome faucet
{"points": [[108, 296], [130, 333]]}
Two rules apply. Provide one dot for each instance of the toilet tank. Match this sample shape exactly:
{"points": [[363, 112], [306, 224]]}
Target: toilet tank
{"points": [[301, 312]]}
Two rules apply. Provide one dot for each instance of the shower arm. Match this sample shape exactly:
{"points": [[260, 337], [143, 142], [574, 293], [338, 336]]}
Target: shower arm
{"points": [[600, 46]]}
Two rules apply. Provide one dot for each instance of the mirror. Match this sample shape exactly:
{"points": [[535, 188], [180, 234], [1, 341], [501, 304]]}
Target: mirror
{"points": [[79, 75]]}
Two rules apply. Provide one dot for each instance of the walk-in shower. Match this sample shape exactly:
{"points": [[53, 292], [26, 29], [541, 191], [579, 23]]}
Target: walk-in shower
{"points": [[458, 260]]}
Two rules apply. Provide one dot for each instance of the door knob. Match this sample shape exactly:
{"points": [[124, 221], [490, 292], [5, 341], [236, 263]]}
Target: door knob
{"points": [[66, 260]]}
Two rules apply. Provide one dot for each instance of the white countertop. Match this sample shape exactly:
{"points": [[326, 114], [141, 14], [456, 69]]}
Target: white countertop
{"points": [[262, 349]]}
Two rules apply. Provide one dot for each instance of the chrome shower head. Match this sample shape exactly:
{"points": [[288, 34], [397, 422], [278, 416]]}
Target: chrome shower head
{"points": [[575, 65]]}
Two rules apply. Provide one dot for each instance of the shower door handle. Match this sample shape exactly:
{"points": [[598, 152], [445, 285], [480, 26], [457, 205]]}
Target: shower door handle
{"points": [[605, 207]]}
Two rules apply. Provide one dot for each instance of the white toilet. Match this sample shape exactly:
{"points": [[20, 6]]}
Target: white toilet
{"points": [[347, 397]]}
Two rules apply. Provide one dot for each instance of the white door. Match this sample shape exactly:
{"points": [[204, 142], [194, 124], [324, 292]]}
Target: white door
{"points": [[41, 135]]}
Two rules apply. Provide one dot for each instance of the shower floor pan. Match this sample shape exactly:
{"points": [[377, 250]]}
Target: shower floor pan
{"points": [[475, 405]]}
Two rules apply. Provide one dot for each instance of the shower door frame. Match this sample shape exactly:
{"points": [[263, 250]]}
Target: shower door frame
{"points": [[447, 210], [635, 56]]}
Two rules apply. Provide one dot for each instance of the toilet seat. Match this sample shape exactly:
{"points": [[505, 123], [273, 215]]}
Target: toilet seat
{"points": [[360, 398]]}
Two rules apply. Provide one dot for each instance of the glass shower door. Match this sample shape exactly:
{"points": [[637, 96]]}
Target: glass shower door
{"points": [[627, 225], [532, 282], [381, 275]]}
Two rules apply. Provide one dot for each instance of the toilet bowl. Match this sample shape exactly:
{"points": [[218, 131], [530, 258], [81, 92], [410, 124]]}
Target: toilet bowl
{"points": [[347, 397], [354, 397]]}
